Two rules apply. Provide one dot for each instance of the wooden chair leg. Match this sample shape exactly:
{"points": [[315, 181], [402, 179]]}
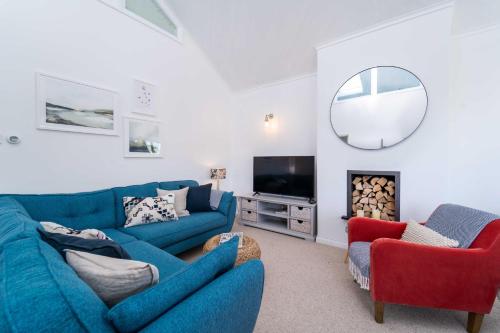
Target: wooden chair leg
{"points": [[379, 312], [474, 322], [346, 256]]}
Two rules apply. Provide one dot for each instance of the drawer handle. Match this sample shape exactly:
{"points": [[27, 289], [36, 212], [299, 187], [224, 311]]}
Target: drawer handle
{"points": [[300, 208], [249, 212], [249, 201], [300, 221]]}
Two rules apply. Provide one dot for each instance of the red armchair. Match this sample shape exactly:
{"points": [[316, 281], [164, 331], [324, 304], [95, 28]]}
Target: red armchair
{"points": [[427, 276]]}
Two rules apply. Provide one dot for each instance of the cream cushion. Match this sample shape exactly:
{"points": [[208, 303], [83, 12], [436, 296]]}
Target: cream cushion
{"points": [[180, 202], [420, 234], [112, 279]]}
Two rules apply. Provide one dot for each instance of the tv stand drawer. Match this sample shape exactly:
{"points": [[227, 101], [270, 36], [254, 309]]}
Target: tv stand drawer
{"points": [[248, 215], [300, 212], [248, 204], [300, 226]]}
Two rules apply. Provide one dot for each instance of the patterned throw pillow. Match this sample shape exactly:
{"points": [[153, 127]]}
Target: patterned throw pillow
{"points": [[149, 210], [86, 233]]}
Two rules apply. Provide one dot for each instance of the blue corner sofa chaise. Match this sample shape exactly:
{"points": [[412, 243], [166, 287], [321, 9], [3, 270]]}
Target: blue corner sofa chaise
{"points": [[39, 292]]}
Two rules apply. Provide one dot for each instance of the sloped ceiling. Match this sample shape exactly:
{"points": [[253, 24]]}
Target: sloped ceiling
{"points": [[254, 42]]}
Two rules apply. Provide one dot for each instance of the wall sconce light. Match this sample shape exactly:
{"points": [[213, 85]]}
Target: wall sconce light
{"points": [[268, 119]]}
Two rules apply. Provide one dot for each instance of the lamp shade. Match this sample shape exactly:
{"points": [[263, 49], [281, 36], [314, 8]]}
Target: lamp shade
{"points": [[219, 173]]}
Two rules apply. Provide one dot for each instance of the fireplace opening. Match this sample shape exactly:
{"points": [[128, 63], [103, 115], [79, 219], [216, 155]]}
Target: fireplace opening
{"points": [[373, 194]]}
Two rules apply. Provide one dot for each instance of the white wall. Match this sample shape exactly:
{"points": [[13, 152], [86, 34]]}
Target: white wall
{"points": [[475, 120], [420, 45], [293, 104], [88, 41]]}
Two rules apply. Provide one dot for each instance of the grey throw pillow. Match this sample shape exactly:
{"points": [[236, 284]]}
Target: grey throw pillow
{"points": [[112, 279]]}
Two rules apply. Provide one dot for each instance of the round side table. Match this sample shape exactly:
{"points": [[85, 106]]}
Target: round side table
{"points": [[250, 249]]}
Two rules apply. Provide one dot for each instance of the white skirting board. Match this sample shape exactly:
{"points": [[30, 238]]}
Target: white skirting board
{"points": [[326, 241]]}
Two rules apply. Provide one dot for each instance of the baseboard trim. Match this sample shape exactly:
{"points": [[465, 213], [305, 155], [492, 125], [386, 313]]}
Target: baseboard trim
{"points": [[326, 241]]}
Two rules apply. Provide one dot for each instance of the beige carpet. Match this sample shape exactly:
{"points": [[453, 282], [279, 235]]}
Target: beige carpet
{"points": [[309, 289]]}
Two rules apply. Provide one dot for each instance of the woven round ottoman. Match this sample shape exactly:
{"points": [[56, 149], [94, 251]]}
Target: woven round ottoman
{"points": [[250, 249]]}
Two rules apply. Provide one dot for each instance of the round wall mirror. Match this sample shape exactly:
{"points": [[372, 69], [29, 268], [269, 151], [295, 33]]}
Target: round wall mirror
{"points": [[378, 107]]}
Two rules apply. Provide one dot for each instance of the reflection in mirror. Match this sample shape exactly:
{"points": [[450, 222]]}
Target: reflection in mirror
{"points": [[378, 107]]}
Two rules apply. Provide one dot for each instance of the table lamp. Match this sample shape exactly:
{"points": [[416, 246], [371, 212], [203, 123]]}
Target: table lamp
{"points": [[218, 174]]}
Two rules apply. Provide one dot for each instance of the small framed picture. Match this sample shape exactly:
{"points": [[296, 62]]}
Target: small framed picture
{"points": [[67, 105], [144, 98], [142, 138]]}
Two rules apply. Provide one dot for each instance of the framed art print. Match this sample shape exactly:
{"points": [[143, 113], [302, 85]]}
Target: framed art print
{"points": [[144, 98], [142, 137], [67, 105]]}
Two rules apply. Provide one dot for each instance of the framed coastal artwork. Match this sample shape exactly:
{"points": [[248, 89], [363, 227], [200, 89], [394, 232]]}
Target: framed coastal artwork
{"points": [[144, 98], [67, 105], [142, 137]]}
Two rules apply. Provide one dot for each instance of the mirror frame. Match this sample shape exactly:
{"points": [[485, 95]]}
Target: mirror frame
{"points": [[384, 147]]}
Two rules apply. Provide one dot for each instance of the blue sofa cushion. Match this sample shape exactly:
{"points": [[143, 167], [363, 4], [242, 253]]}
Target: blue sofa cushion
{"points": [[166, 263], [8, 204], [167, 233], [144, 190], [175, 185], [118, 236], [39, 292], [138, 310], [240, 288], [15, 225], [78, 211]]}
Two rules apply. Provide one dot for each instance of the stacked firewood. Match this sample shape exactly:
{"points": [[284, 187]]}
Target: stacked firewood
{"points": [[374, 193]]}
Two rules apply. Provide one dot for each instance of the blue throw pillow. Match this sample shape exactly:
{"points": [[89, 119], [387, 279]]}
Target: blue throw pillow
{"points": [[101, 247], [198, 198], [138, 310]]}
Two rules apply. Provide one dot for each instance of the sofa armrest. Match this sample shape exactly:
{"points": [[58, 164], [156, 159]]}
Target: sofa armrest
{"points": [[225, 203], [227, 207], [230, 303], [363, 229], [429, 276]]}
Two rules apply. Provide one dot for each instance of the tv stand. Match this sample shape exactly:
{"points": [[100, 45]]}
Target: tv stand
{"points": [[289, 216]]}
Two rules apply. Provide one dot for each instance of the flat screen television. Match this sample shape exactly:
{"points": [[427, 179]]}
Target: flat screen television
{"points": [[284, 175]]}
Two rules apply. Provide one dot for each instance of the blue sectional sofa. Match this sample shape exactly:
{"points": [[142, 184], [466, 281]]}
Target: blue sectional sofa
{"points": [[40, 292]]}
